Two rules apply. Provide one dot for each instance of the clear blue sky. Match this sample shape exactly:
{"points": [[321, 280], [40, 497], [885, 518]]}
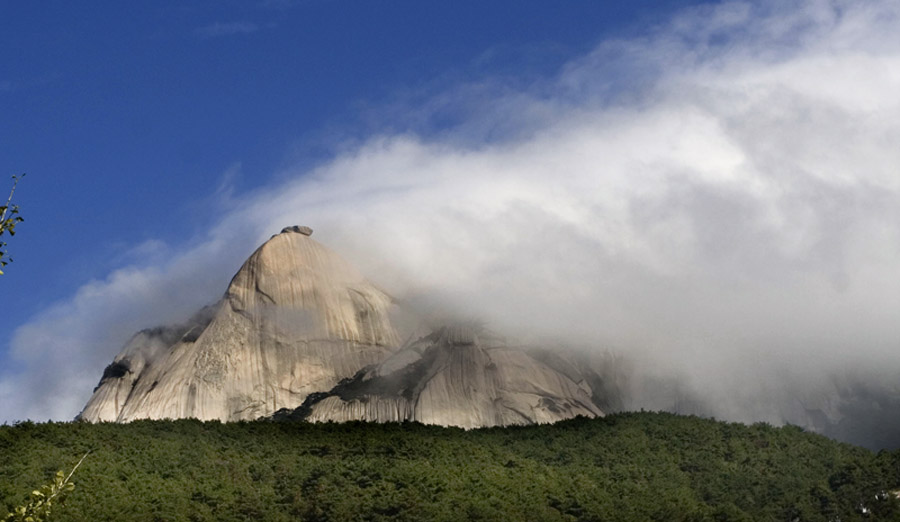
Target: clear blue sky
{"points": [[126, 115]]}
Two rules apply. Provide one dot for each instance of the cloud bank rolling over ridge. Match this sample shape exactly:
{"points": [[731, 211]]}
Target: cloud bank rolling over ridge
{"points": [[719, 199]]}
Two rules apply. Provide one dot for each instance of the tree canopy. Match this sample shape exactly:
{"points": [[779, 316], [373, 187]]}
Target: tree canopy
{"points": [[632, 466]]}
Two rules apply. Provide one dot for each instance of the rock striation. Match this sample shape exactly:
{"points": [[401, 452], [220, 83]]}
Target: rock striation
{"points": [[457, 376], [296, 319]]}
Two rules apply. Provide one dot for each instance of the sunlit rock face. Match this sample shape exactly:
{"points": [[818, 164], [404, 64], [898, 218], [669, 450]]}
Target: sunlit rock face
{"points": [[301, 332], [120, 376], [457, 376], [296, 319]]}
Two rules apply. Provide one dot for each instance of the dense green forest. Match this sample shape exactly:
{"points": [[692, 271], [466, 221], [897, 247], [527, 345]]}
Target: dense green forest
{"points": [[632, 466]]}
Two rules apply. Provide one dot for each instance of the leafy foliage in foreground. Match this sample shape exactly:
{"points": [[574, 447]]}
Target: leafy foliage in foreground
{"points": [[44, 501], [9, 218], [634, 466]]}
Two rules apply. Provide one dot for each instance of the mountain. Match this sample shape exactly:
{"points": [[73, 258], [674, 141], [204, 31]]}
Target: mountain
{"points": [[301, 332], [457, 376], [296, 319]]}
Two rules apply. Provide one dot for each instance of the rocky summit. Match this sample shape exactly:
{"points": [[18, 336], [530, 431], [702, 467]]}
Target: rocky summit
{"points": [[302, 333]]}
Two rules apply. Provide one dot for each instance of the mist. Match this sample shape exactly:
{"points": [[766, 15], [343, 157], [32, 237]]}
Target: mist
{"points": [[716, 204]]}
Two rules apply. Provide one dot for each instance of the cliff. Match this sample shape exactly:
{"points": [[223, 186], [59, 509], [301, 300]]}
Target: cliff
{"points": [[296, 319]]}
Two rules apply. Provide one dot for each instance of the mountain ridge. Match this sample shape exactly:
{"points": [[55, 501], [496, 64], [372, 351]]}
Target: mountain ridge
{"points": [[424, 380], [299, 327]]}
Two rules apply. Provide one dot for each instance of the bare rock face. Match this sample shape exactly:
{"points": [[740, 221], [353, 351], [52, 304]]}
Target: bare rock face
{"points": [[120, 376], [300, 332], [457, 376], [296, 319]]}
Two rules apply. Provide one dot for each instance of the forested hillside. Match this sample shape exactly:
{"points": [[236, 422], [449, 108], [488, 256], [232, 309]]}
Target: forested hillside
{"points": [[635, 466]]}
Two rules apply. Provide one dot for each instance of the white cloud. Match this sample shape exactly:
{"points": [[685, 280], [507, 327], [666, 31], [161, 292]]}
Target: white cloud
{"points": [[718, 198]]}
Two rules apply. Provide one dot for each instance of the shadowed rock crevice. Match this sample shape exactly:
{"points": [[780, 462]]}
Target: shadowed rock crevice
{"points": [[115, 370]]}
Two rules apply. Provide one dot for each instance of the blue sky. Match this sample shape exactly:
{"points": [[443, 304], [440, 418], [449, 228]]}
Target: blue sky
{"points": [[705, 171], [127, 117]]}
